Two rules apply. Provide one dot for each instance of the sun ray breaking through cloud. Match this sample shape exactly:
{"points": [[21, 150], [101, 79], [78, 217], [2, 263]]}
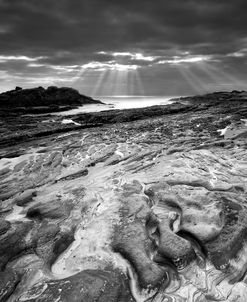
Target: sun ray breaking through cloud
{"points": [[225, 77], [79, 75], [194, 82], [139, 85], [136, 50], [101, 81]]}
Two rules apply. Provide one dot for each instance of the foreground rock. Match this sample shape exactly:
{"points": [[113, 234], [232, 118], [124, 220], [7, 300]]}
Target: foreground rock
{"points": [[131, 237], [89, 285], [150, 206]]}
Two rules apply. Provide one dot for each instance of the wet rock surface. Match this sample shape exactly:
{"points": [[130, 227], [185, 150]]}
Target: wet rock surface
{"points": [[149, 206]]}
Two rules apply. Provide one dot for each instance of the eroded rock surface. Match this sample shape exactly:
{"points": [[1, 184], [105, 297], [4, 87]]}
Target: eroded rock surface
{"points": [[147, 210]]}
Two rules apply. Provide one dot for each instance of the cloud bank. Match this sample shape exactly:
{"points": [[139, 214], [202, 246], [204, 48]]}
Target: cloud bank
{"points": [[169, 47]]}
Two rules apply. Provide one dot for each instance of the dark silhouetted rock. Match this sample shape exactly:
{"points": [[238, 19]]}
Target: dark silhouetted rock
{"points": [[40, 97]]}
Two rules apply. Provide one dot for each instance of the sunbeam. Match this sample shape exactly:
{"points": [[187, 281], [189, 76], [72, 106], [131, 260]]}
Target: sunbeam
{"points": [[212, 76], [218, 77], [194, 82], [131, 83], [101, 81], [79, 75], [120, 83], [227, 76], [139, 84], [110, 81]]}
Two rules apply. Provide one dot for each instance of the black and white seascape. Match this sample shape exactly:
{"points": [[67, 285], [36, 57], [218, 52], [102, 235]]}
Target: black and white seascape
{"points": [[123, 151]]}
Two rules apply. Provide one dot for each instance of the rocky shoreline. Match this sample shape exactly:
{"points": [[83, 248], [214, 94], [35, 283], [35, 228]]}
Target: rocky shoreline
{"points": [[126, 205]]}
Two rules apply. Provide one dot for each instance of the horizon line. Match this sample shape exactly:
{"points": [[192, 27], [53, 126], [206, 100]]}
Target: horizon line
{"points": [[123, 96]]}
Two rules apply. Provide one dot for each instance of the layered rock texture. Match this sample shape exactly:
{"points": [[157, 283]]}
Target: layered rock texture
{"points": [[135, 205]]}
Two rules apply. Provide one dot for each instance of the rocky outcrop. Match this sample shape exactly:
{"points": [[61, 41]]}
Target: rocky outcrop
{"points": [[41, 100], [148, 206], [131, 236]]}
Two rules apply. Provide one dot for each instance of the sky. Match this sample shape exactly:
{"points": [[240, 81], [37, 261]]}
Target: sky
{"points": [[135, 47]]}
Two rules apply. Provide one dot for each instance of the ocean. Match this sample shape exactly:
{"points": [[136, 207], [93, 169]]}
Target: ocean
{"points": [[120, 102]]}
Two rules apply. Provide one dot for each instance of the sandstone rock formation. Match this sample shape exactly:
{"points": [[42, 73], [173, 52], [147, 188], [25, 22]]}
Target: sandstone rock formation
{"points": [[148, 206]]}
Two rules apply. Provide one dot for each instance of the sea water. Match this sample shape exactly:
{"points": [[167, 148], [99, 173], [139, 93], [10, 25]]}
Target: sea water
{"points": [[120, 102]]}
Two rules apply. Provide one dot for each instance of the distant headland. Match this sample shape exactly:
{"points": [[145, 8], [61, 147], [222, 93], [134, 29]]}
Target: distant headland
{"points": [[41, 100]]}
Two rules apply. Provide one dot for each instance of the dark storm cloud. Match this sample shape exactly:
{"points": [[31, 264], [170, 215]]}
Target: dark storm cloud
{"points": [[74, 32], [42, 27]]}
